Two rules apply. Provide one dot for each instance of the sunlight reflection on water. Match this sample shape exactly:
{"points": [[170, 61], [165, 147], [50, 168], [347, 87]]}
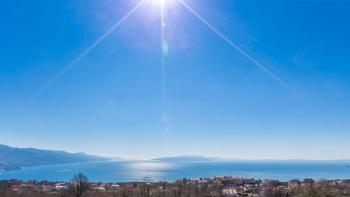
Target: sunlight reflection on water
{"points": [[150, 166], [149, 170], [114, 171]]}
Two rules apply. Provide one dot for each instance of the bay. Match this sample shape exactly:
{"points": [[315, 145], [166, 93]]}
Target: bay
{"points": [[127, 171]]}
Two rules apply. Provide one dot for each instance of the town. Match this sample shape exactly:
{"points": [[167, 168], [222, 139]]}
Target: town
{"points": [[228, 186]]}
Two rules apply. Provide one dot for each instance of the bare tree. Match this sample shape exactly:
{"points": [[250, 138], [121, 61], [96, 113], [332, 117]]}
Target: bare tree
{"points": [[80, 184]]}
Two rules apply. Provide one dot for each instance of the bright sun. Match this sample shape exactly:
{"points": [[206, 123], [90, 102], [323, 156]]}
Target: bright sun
{"points": [[162, 2]]}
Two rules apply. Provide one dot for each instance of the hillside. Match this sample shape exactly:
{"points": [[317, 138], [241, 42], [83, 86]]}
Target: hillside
{"points": [[14, 158]]}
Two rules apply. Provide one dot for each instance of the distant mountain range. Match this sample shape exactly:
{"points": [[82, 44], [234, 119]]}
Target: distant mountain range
{"points": [[14, 158], [186, 158], [216, 159]]}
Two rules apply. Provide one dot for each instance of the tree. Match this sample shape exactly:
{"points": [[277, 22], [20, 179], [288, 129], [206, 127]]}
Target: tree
{"points": [[321, 188], [80, 184]]}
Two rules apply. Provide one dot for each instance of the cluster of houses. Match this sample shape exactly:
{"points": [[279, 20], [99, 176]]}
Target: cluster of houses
{"points": [[222, 185], [46, 186], [237, 187]]}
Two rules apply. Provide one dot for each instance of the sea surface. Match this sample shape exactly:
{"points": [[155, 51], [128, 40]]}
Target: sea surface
{"points": [[126, 171]]}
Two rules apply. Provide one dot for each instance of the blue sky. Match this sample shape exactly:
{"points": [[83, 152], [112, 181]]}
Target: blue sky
{"points": [[217, 103]]}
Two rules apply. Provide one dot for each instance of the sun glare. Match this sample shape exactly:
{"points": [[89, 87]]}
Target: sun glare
{"points": [[159, 1], [162, 2]]}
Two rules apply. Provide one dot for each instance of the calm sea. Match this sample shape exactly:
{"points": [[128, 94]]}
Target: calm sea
{"points": [[116, 171]]}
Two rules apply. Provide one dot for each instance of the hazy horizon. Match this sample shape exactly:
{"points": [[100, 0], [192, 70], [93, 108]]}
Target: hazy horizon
{"points": [[230, 79], [188, 156]]}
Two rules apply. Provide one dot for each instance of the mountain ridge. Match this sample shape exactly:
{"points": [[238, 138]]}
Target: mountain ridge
{"points": [[12, 158], [194, 158], [185, 158]]}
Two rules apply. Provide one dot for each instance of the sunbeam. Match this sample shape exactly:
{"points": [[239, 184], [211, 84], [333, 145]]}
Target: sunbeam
{"points": [[234, 45], [74, 62]]}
